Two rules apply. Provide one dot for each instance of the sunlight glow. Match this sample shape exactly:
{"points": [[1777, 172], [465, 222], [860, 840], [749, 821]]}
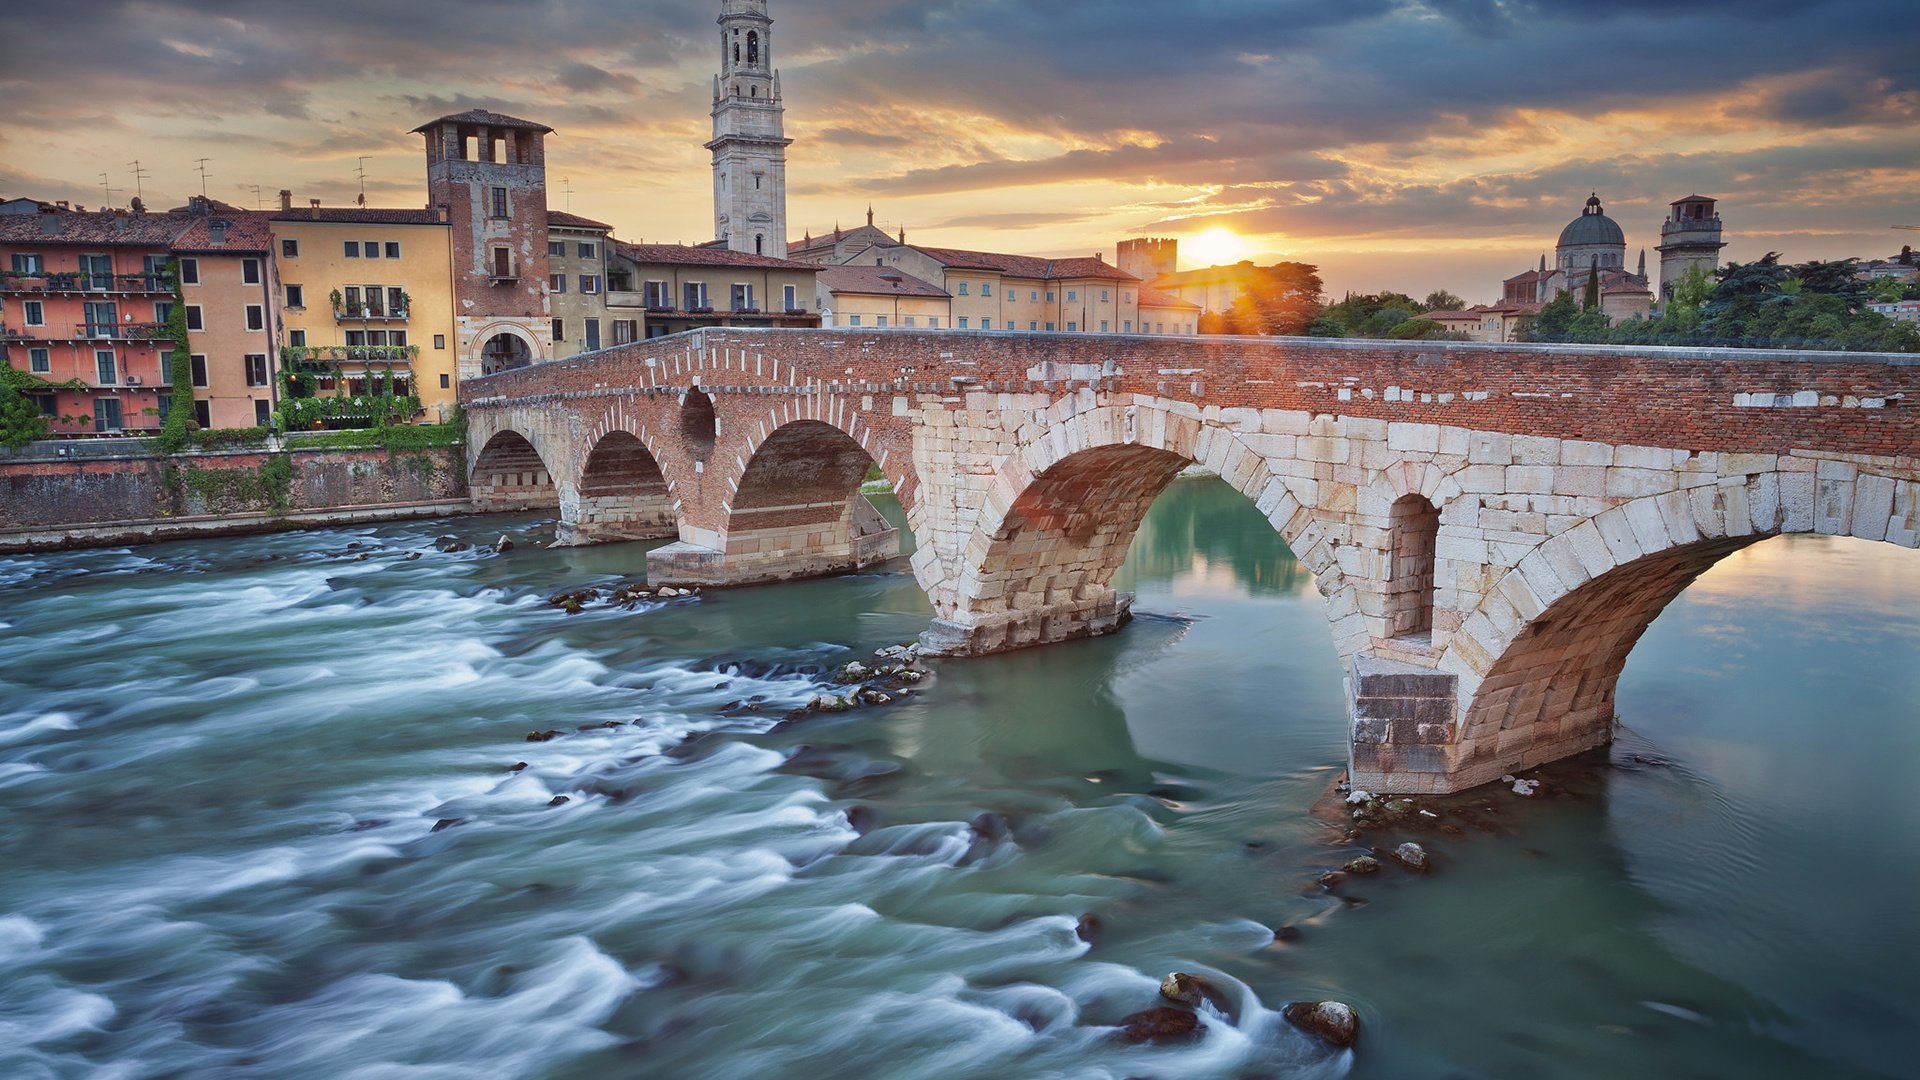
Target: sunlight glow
{"points": [[1215, 247]]}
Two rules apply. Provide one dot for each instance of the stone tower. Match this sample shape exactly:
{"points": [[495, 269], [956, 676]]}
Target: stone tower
{"points": [[1689, 237], [487, 178], [1148, 258], [749, 141]]}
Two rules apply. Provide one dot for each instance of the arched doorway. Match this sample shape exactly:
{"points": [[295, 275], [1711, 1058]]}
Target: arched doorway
{"points": [[505, 352]]}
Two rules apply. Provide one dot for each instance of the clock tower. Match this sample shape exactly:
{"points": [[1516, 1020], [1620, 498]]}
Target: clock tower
{"points": [[749, 141]]}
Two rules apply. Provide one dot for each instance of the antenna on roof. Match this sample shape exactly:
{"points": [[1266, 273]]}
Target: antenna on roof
{"points": [[566, 185], [201, 165], [108, 205], [139, 174], [361, 171], [256, 195]]}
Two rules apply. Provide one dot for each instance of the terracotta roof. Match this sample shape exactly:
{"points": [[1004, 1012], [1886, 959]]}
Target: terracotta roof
{"points": [[113, 228], [483, 118], [359, 215], [245, 231], [1455, 316], [876, 280], [682, 255], [575, 221], [1212, 275], [1026, 266], [1529, 276], [1151, 297]]}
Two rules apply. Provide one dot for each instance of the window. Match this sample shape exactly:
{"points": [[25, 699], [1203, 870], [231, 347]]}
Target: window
{"points": [[1073, 328], [1009, 324], [559, 329], [289, 249], [1072, 295], [1104, 296], [439, 341], [742, 297], [933, 322], [297, 338], [446, 382], [1126, 327], [372, 249], [203, 413], [199, 365], [50, 404], [256, 317], [396, 300], [103, 320], [853, 320], [106, 414], [497, 202], [28, 264], [588, 251], [1034, 325], [908, 321], [1035, 297], [557, 283], [590, 284], [556, 249], [1103, 326], [36, 313], [393, 250], [790, 296], [256, 369], [396, 337], [189, 273], [593, 335], [963, 289], [1049, 328], [39, 361], [352, 249], [377, 337], [356, 338], [250, 271], [297, 296], [105, 368], [880, 321], [986, 288], [625, 330], [503, 264], [695, 294], [658, 298], [262, 412], [194, 321], [1049, 296], [353, 305]]}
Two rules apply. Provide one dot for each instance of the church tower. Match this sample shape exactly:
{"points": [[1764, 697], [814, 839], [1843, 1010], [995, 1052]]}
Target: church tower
{"points": [[749, 135], [1689, 237]]}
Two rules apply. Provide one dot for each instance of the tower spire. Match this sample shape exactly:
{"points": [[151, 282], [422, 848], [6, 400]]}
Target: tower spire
{"points": [[869, 215], [749, 135]]}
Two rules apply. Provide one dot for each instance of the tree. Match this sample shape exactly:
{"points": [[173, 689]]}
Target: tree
{"points": [[1278, 300], [1592, 301], [1554, 320], [1906, 255], [1442, 300], [20, 419], [1887, 290], [1365, 315]]}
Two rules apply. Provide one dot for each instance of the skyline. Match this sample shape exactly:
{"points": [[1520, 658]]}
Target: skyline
{"points": [[1403, 145]]}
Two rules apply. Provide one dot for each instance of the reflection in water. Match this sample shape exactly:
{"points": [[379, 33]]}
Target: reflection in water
{"points": [[262, 819]]}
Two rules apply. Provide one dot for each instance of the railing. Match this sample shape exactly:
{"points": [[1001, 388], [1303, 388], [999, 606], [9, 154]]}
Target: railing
{"points": [[367, 314], [55, 282], [121, 331]]}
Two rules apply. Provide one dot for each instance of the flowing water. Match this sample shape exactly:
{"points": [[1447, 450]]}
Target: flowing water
{"points": [[258, 819]]}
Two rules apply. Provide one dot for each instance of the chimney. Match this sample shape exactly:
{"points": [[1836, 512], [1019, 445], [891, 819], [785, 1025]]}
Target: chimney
{"points": [[286, 200]]}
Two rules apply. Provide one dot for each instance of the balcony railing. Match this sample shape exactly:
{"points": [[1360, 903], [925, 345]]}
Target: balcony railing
{"points": [[55, 282], [369, 314], [121, 331]]}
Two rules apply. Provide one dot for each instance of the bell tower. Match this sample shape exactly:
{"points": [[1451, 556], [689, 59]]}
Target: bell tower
{"points": [[749, 135]]}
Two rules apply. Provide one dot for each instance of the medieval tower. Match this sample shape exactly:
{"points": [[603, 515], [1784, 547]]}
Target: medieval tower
{"points": [[749, 141], [1689, 237]]}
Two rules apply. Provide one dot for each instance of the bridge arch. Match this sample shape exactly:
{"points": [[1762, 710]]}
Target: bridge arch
{"points": [[510, 475], [1060, 515], [1540, 658], [624, 495]]}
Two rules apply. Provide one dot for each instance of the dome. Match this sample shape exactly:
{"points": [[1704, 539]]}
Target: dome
{"points": [[1593, 227]]}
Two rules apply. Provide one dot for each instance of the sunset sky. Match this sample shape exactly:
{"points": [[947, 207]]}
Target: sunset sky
{"points": [[1405, 144]]}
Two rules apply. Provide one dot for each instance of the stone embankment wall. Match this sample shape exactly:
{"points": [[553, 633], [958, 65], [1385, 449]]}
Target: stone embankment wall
{"points": [[40, 492]]}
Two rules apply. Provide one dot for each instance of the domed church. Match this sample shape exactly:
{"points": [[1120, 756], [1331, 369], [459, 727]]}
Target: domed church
{"points": [[1591, 244]]}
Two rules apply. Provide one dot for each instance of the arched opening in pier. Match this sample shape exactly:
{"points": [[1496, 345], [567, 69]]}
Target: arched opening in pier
{"points": [[509, 476], [1413, 534], [623, 494], [505, 352], [699, 426], [800, 512]]}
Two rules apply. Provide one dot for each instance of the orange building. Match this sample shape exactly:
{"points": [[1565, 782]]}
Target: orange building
{"points": [[228, 277]]}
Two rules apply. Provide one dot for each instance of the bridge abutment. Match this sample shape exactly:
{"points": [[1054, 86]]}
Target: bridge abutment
{"points": [[861, 538], [1095, 615]]}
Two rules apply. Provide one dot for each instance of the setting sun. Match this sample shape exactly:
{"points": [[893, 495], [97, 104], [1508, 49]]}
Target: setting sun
{"points": [[1215, 247]]}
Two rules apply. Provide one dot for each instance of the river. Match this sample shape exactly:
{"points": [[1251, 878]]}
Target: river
{"points": [[259, 818]]}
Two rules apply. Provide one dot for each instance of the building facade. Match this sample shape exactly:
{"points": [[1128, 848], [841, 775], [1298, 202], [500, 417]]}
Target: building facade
{"points": [[367, 291], [749, 143], [229, 279], [578, 258], [1689, 237], [881, 297], [672, 288], [1592, 248]]}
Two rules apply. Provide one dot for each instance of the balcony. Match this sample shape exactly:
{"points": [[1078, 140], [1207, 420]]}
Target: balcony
{"points": [[121, 332], [75, 283], [369, 314]]}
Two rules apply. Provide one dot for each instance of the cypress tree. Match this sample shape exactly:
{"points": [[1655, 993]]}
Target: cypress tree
{"points": [[1592, 302], [179, 424]]}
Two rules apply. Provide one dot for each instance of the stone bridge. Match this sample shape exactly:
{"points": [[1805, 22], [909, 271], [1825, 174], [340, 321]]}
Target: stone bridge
{"points": [[1492, 527]]}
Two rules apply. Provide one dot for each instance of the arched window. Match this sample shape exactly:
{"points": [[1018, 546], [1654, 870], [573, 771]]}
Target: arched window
{"points": [[755, 91], [1415, 529], [736, 52], [753, 48], [759, 243]]}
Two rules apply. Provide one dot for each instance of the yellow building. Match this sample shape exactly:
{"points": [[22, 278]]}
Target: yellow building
{"points": [[371, 291]]}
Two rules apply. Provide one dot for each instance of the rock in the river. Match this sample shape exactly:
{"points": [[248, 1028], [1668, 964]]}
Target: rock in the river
{"points": [[1526, 788], [990, 826], [447, 823], [519, 767], [1287, 933], [1332, 1021], [1411, 855], [1088, 929], [1365, 864], [542, 736], [828, 703], [559, 800], [875, 697], [1185, 989], [502, 545], [860, 819], [853, 673], [1332, 879], [1162, 1024], [413, 556]]}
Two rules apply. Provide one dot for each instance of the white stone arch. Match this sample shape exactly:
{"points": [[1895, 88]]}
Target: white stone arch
{"points": [[494, 329], [510, 465], [1539, 657]]}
